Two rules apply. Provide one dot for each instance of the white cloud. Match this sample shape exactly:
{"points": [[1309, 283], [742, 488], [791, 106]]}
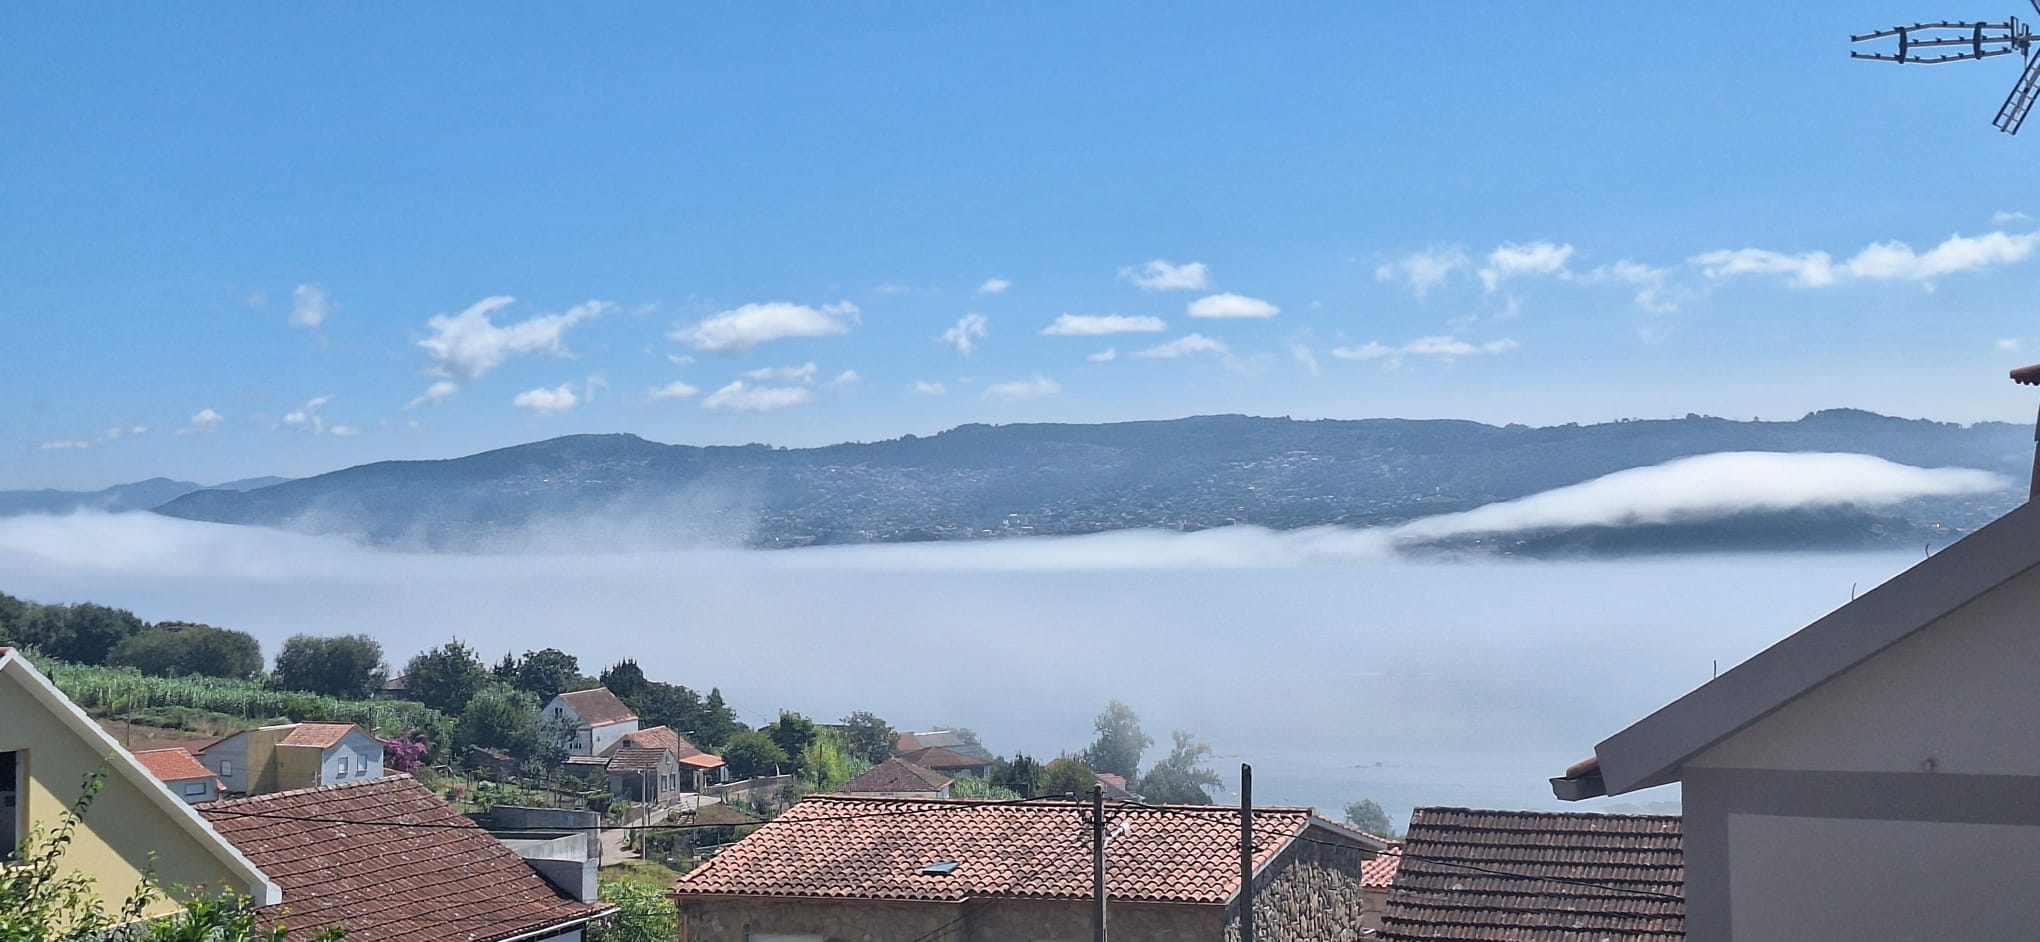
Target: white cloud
{"points": [[65, 444], [310, 305], [1106, 355], [737, 397], [1231, 305], [433, 395], [994, 286], [470, 344], [2006, 217], [1424, 270], [843, 379], [344, 431], [2009, 345], [740, 329], [1303, 355], [1512, 260], [551, 399], [673, 390], [1159, 275], [965, 334], [804, 373], [1185, 346], [205, 422], [139, 430], [1438, 346], [1714, 485], [309, 417], [1040, 387], [1094, 325], [1879, 261], [925, 388], [1808, 270]]}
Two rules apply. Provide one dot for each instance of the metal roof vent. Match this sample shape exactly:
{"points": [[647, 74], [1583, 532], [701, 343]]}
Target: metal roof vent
{"points": [[940, 868]]}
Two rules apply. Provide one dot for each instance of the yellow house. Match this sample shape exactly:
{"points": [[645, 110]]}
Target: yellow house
{"points": [[47, 748]]}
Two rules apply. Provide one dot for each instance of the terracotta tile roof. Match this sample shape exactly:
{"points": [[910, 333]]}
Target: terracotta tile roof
{"points": [[322, 735], [702, 761], [942, 758], [841, 847], [637, 759], [897, 775], [598, 707], [1636, 860], [1380, 870], [1115, 784], [658, 737], [172, 765], [386, 881]]}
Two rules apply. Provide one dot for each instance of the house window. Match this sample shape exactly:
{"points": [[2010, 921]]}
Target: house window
{"points": [[13, 802], [343, 765], [194, 789], [226, 767]]}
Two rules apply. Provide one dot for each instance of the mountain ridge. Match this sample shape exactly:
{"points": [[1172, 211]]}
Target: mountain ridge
{"points": [[977, 480]]}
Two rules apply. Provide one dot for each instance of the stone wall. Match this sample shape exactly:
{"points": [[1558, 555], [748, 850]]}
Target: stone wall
{"points": [[1312, 894], [734, 920]]}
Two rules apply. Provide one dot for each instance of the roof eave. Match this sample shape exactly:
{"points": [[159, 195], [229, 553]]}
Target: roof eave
{"points": [[262, 890], [1652, 751]]}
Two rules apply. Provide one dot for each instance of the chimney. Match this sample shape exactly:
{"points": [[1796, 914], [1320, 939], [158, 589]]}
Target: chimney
{"points": [[2030, 376]]}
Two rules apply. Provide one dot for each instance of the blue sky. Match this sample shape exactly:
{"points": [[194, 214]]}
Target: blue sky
{"points": [[281, 240]]}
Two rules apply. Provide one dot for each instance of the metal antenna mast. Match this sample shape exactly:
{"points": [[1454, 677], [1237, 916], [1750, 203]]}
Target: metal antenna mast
{"points": [[1949, 41]]}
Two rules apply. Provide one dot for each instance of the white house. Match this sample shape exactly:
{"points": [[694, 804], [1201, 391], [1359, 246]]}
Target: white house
{"points": [[591, 720], [1875, 775]]}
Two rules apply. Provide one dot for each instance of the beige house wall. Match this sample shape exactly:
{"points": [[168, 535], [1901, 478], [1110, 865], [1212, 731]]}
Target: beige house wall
{"points": [[122, 828], [1898, 800]]}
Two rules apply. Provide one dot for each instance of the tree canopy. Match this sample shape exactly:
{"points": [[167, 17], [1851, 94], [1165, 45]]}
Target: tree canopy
{"points": [[1182, 777], [1120, 742], [753, 753], [499, 716], [348, 666], [446, 677], [547, 673], [868, 737], [1067, 775], [1368, 815], [176, 649]]}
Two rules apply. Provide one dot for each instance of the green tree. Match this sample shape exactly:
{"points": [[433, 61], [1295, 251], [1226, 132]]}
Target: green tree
{"points": [[1018, 773], [869, 737], [1067, 775], [979, 789], [176, 649], [1368, 815], [346, 666], [625, 679], [717, 722], [1120, 742], [544, 674], [644, 913], [752, 753], [827, 762], [499, 716], [1182, 777], [446, 677], [792, 733]]}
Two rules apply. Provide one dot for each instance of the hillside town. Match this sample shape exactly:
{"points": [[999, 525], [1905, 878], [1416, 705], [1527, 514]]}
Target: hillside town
{"points": [[620, 807]]}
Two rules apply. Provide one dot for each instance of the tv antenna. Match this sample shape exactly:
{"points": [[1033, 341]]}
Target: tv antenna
{"points": [[1949, 41]]}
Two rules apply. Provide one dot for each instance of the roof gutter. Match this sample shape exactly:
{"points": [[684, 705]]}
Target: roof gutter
{"points": [[555, 928]]}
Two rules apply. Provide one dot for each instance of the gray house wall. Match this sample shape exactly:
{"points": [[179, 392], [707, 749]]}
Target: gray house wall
{"points": [[1899, 800], [229, 754], [364, 754]]}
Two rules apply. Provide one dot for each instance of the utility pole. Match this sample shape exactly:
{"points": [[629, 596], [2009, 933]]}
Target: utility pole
{"points": [[1246, 852], [1098, 863]]}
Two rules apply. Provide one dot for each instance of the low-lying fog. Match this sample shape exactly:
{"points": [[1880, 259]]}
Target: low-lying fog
{"points": [[1339, 669]]}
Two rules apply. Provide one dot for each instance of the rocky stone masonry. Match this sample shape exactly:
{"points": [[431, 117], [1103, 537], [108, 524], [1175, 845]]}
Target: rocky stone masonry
{"points": [[1314, 896]]}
